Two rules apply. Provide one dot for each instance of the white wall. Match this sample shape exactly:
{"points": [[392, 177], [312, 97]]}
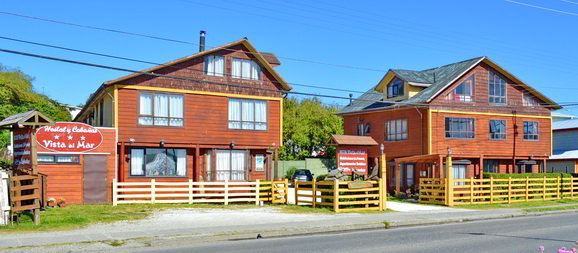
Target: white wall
{"points": [[4, 205]]}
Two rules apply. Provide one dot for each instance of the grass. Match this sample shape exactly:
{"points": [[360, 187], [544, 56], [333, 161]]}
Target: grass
{"points": [[520, 204], [320, 210], [553, 208]]}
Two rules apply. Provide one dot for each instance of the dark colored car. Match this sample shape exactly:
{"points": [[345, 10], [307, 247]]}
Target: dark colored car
{"points": [[302, 175]]}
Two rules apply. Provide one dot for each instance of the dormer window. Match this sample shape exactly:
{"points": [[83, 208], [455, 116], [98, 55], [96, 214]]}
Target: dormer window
{"points": [[464, 91], [395, 88], [245, 69], [496, 89], [214, 65]]}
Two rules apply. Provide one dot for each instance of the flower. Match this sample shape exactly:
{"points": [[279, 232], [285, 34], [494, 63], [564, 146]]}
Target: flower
{"points": [[541, 248]]}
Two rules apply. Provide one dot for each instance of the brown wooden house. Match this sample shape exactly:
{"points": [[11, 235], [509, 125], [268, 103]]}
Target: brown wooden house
{"points": [[212, 116], [484, 116]]}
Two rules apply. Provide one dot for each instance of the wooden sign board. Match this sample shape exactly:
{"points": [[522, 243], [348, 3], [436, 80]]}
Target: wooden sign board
{"points": [[352, 159], [23, 150], [70, 137], [359, 185]]}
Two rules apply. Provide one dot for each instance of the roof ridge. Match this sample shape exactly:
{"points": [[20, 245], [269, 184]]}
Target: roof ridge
{"points": [[475, 58]]}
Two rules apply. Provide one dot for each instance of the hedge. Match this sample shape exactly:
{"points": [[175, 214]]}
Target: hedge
{"points": [[524, 175]]}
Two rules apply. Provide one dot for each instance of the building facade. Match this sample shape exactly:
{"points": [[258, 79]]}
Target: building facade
{"points": [[477, 112], [565, 150]]}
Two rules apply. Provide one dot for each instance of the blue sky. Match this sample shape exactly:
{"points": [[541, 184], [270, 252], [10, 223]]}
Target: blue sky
{"points": [[536, 45]]}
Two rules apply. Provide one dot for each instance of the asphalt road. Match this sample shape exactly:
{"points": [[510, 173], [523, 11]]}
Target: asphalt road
{"points": [[507, 235]]}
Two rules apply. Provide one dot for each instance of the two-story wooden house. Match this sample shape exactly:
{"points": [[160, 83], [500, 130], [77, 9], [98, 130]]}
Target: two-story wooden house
{"points": [[212, 116], [484, 116]]}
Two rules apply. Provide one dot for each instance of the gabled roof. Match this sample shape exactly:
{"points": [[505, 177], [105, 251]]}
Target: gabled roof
{"points": [[564, 154], [352, 140], [366, 101], [29, 118], [565, 124]]}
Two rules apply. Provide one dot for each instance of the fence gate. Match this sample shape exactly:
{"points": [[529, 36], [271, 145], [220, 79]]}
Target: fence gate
{"points": [[278, 193]]}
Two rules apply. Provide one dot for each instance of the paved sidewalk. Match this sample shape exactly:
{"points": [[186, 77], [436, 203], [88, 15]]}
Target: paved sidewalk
{"points": [[193, 225]]}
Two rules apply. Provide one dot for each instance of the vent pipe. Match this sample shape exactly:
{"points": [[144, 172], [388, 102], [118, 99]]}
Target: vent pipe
{"points": [[202, 41]]}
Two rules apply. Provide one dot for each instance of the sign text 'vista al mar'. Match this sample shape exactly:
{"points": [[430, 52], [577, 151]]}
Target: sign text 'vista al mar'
{"points": [[69, 137]]}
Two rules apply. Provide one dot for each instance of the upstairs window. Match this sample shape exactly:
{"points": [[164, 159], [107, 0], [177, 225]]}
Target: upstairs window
{"points": [[363, 129], [497, 129], [161, 110], [464, 91], [214, 65], [460, 128], [529, 100], [531, 130], [245, 69], [496, 89], [396, 130], [247, 114], [395, 89]]}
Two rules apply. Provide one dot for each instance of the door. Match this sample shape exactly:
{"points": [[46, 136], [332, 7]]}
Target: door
{"points": [[95, 179]]}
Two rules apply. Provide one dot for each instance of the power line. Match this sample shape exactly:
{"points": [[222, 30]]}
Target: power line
{"points": [[542, 8], [258, 88], [568, 1]]}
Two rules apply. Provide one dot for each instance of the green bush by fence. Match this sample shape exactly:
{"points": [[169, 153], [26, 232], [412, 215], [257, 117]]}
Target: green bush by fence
{"points": [[524, 175]]}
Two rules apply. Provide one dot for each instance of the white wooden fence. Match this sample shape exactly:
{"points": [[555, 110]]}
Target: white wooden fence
{"points": [[193, 192]]}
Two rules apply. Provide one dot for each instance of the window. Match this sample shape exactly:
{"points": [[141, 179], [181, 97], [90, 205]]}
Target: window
{"points": [[214, 65], [463, 128], [491, 166], [496, 89], [395, 89], [231, 165], [363, 129], [459, 172], [161, 110], [247, 114], [409, 175], [47, 159], [158, 162], [396, 130], [464, 91], [531, 130], [529, 100], [497, 129], [245, 69]]}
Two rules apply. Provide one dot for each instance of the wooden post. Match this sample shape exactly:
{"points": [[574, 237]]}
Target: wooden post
{"points": [[114, 192], [383, 184], [527, 188], [286, 191], [471, 190], [558, 186], [381, 197], [296, 186], [314, 193], [491, 190], [153, 191], [544, 189], [450, 183], [226, 192], [336, 195], [509, 190], [571, 187], [257, 192], [190, 191]]}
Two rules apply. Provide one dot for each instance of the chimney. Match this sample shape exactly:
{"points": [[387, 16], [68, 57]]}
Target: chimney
{"points": [[202, 41]]}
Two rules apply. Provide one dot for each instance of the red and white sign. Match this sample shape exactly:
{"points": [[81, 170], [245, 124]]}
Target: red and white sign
{"points": [[69, 137], [352, 159], [22, 152]]}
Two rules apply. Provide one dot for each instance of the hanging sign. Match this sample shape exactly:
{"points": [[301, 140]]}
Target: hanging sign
{"points": [[22, 150], [352, 159], [69, 137]]}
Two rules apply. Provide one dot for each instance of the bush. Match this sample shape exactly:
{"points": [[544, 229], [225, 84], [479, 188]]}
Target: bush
{"points": [[5, 163], [321, 177], [289, 173], [524, 175]]}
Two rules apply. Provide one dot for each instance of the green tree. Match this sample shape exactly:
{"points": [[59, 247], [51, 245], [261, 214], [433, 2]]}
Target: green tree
{"points": [[17, 95], [307, 126]]}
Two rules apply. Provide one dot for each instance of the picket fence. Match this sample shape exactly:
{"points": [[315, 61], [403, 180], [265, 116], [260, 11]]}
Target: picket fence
{"points": [[190, 192]]}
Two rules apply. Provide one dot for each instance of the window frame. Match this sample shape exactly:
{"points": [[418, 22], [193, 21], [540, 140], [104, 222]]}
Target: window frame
{"points": [[452, 95], [537, 131], [363, 129], [534, 100], [144, 175], [206, 65], [505, 96], [252, 61], [139, 115], [55, 159], [247, 165], [495, 165], [386, 132], [399, 85], [505, 134], [241, 115], [459, 138]]}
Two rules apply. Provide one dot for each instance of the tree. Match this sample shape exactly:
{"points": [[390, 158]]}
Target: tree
{"points": [[307, 126], [17, 95]]}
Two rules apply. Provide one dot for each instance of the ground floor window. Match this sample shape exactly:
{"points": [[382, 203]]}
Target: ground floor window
{"points": [[459, 172], [409, 174], [231, 165], [158, 162], [48, 159], [491, 166]]}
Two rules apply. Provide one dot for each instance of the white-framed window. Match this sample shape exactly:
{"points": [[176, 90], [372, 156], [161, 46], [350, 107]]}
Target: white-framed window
{"points": [[464, 91], [158, 162], [395, 88], [409, 175], [55, 159], [363, 129], [531, 130], [497, 129], [396, 130], [214, 65], [245, 69], [231, 165], [161, 110], [460, 128], [496, 89], [247, 114], [529, 100], [459, 172]]}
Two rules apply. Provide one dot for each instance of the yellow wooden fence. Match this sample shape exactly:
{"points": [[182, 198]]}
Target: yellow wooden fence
{"points": [[190, 192], [341, 196], [495, 191]]}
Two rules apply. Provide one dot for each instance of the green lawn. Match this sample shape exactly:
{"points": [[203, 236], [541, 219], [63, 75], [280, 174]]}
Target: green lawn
{"points": [[520, 204], [553, 208]]}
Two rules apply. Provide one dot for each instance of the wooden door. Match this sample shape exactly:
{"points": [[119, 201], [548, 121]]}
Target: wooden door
{"points": [[95, 179]]}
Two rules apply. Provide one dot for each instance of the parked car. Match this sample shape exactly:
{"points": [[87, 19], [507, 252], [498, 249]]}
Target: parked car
{"points": [[302, 175]]}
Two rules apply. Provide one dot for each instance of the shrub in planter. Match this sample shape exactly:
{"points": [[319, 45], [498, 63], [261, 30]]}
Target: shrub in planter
{"points": [[321, 177], [51, 202], [62, 202]]}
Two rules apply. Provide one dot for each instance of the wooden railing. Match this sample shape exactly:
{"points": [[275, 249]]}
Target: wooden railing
{"points": [[495, 191], [190, 192], [27, 193], [341, 196]]}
